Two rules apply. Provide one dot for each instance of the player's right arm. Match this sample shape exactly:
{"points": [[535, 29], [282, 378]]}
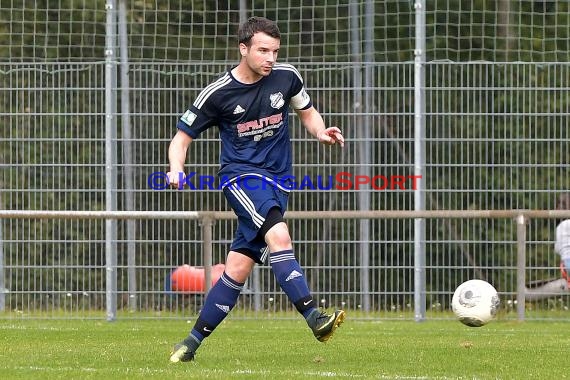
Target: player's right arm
{"points": [[201, 115], [177, 156]]}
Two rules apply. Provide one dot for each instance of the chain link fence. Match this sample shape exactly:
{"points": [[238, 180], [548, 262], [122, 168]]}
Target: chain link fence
{"points": [[82, 130]]}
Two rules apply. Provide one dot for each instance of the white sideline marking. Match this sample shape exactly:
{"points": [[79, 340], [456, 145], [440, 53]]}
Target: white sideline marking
{"points": [[397, 377], [218, 372], [148, 370], [18, 327], [86, 369], [295, 373]]}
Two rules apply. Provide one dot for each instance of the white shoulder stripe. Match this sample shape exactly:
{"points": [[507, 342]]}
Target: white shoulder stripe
{"points": [[210, 89], [288, 67]]}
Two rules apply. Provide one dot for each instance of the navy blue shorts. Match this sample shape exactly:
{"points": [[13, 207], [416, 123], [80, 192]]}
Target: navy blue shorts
{"points": [[251, 199]]}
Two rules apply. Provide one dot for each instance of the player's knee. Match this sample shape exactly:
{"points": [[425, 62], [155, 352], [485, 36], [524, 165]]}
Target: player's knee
{"points": [[275, 231], [278, 238]]}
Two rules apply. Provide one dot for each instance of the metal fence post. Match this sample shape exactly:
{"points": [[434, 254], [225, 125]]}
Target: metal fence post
{"points": [[128, 176], [521, 265], [111, 159], [255, 287], [363, 135], [207, 227], [419, 164]]}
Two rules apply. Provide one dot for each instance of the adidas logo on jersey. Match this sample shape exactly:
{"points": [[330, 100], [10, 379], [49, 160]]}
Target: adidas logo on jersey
{"points": [[238, 109], [293, 275], [224, 308]]}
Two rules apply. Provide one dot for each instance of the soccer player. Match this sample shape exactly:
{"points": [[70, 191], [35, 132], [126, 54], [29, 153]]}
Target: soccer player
{"points": [[249, 105], [562, 243], [549, 288]]}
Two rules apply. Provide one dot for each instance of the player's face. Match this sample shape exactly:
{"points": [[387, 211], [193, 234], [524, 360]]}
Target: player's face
{"points": [[261, 54]]}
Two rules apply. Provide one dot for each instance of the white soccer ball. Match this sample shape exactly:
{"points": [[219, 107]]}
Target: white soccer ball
{"points": [[475, 303]]}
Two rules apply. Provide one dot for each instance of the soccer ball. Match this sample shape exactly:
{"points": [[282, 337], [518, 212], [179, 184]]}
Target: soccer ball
{"points": [[475, 303]]}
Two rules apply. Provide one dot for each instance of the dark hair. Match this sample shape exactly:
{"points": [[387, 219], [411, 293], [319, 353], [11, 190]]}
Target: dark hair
{"points": [[256, 25]]}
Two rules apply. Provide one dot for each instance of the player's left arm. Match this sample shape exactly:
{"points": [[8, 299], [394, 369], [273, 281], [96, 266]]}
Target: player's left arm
{"points": [[314, 123], [562, 247]]}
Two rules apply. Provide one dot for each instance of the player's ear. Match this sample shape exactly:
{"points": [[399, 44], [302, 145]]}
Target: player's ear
{"points": [[243, 49]]}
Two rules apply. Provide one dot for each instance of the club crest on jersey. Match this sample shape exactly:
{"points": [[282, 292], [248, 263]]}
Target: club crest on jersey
{"points": [[277, 100]]}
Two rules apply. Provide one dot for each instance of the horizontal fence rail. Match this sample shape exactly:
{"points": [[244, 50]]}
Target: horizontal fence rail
{"points": [[207, 219], [227, 215]]}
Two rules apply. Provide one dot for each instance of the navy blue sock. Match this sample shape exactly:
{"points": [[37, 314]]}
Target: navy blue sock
{"points": [[292, 280], [220, 301]]}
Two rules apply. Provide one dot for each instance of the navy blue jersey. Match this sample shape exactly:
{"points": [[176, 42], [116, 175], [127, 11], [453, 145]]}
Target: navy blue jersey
{"points": [[252, 120]]}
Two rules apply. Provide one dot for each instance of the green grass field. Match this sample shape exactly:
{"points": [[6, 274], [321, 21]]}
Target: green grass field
{"points": [[284, 349]]}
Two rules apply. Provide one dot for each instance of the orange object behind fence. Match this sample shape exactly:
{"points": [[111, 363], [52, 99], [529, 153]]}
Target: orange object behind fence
{"points": [[191, 279]]}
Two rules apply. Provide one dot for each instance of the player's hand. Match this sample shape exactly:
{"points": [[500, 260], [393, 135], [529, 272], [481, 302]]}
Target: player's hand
{"points": [[331, 136], [565, 270], [174, 179]]}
